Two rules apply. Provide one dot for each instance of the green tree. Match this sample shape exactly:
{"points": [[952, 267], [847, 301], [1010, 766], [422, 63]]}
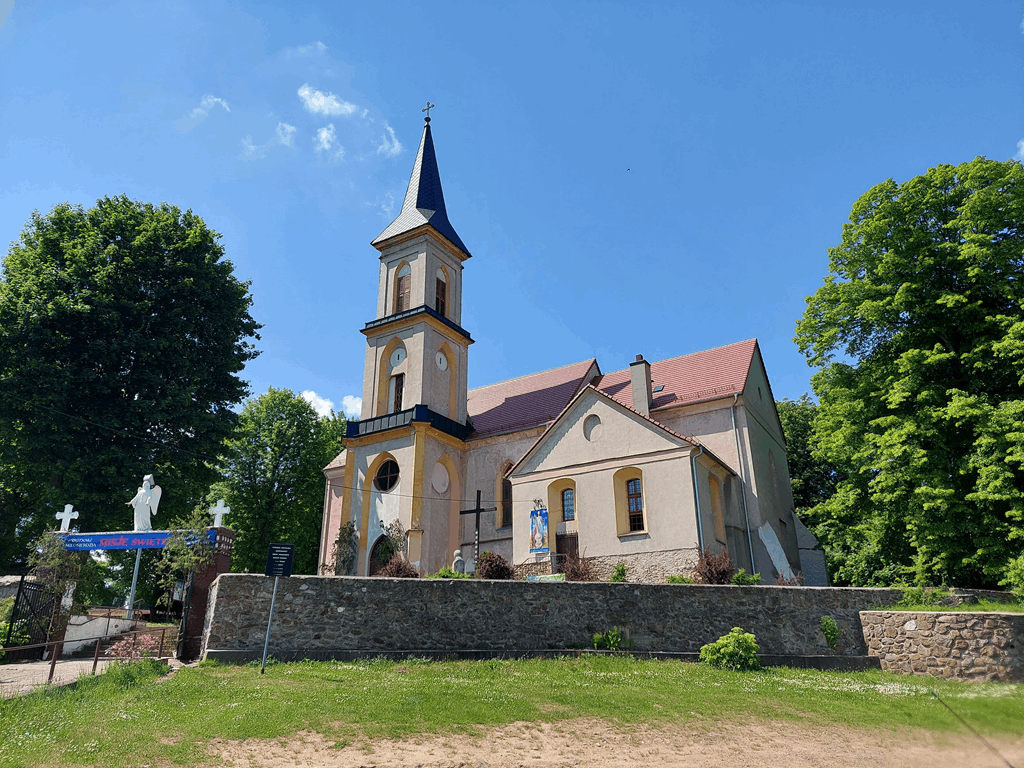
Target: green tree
{"points": [[122, 333], [273, 479], [813, 478], [918, 333]]}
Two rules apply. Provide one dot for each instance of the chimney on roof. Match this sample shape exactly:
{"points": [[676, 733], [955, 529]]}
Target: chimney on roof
{"points": [[640, 378]]}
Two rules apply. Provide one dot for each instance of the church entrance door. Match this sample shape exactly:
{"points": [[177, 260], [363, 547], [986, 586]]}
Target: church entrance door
{"points": [[567, 545], [381, 549]]}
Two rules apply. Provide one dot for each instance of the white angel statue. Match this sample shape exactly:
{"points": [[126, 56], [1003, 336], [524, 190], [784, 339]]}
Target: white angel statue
{"points": [[145, 503]]}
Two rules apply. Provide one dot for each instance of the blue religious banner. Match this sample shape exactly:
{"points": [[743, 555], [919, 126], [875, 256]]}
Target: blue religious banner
{"points": [[539, 531], [123, 540]]}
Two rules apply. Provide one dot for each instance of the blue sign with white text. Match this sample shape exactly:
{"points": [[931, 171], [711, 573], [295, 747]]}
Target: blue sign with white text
{"points": [[122, 540]]}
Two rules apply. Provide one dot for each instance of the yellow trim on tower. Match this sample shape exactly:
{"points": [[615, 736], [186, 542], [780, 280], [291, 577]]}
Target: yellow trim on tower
{"points": [[420, 446]]}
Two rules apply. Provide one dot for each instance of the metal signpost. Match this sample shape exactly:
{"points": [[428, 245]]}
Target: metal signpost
{"points": [[279, 563]]}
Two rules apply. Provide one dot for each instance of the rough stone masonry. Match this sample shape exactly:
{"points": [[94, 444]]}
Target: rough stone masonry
{"points": [[321, 617]]}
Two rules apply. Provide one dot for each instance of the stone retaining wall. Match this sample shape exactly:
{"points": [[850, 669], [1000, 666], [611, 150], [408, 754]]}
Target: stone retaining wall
{"points": [[971, 646], [323, 615]]}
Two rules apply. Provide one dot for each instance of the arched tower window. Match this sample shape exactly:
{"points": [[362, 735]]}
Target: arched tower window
{"points": [[441, 293], [403, 289], [396, 388]]}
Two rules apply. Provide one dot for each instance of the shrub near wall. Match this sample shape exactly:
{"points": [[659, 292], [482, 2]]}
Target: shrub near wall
{"points": [[319, 616]]}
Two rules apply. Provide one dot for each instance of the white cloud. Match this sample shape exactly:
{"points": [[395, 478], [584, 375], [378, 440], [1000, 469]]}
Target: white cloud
{"points": [[320, 103], [251, 149], [306, 50], [1020, 150], [388, 205], [209, 102], [325, 141], [321, 405], [390, 145], [351, 406], [286, 134]]}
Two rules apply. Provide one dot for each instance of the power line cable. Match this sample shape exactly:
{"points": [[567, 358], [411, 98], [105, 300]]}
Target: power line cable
{"points": [[982, 738]]}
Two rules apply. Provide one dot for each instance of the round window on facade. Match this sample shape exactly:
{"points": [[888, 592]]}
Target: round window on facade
{"points": [[387, 476]]}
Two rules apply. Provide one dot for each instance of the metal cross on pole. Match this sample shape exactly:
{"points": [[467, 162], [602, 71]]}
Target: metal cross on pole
{"points": [[477, 511], [427, 110]]}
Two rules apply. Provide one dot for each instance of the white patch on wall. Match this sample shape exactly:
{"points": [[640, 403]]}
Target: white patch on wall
{"points": [[775, 551], [439, 479]]}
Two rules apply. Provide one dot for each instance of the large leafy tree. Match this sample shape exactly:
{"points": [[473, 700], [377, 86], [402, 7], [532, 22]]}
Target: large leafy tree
{"points": [[122, 333], [919, 336], [813, 477], [273, 478]]}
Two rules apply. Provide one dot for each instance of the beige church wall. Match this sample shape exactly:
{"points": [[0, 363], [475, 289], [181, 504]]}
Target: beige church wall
{"points": [[440, 392], [669, 515], [709, 423], [773, 492], [722, 534], [438, 257], [412, 252], [334, 493], [383, 508], [620, 433], [440, 510], [484, 460]]}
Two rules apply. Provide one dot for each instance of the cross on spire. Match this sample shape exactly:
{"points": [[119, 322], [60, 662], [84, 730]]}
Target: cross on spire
{"points": [[218, 513], [66, 517], [427, 110]]}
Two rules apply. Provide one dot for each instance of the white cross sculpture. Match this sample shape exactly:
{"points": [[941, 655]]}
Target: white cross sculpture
{"points": [[66, 517], [218, 513]]}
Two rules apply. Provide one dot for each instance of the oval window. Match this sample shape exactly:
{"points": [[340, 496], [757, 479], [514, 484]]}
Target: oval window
{"points": [[386, 476]]}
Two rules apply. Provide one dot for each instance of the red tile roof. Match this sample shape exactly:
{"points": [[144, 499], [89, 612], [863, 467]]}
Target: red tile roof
{"points": [[537, 399], [528, 401], [693, 378]]}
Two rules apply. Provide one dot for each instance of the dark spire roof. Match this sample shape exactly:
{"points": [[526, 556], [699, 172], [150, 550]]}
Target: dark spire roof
{"points": [[424, 200]]}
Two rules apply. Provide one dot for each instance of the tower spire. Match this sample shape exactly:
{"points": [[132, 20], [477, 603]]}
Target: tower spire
{"points": [[424, 200]]}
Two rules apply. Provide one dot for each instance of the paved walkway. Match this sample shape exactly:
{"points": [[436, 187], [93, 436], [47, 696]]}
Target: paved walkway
{"points": [[22, 677]]}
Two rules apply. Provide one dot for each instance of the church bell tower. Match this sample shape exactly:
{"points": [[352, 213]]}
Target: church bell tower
{"points": [[404, 458]]}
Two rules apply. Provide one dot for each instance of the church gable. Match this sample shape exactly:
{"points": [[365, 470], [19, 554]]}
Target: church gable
{"points": [[594, 428]]}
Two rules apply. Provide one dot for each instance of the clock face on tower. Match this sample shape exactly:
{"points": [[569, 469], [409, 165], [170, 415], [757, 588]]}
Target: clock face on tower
{"points": [[397, 357], [442, 361]]}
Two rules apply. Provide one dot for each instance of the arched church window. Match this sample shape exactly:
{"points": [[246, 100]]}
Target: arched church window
{"points": [[403, 289], [635, 500], [387, 476], [506, 502], [441, 293], [396, 387], [569, 504]]}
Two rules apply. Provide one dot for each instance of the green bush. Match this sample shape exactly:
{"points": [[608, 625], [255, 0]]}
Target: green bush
{"points": [[912, 597], [447, 573], [619, 574], [746, 579], [1014, 580], [736, 650], [830, 630], [679, 578], [612, 640]]}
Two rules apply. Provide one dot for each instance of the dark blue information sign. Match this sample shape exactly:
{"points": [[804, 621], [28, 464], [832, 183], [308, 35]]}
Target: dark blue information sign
{"points": [[279, 559], [122, 540]]}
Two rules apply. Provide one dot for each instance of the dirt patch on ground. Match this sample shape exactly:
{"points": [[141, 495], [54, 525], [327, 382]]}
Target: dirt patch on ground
{"points": [[598, 744]]}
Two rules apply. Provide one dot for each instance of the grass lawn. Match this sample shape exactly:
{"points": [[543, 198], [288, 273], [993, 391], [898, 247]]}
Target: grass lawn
{"points": [[128, 716]]}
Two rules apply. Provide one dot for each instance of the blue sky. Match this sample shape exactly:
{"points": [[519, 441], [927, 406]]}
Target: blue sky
{"points": [[631, 177]]}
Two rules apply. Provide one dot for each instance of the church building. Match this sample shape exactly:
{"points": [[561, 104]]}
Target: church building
{"points": [[644, 466]]}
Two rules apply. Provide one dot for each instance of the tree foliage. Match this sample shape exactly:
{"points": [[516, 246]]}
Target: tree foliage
{"points": [[273, 479], [813, 477], [122, 333], [919, 336]]}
